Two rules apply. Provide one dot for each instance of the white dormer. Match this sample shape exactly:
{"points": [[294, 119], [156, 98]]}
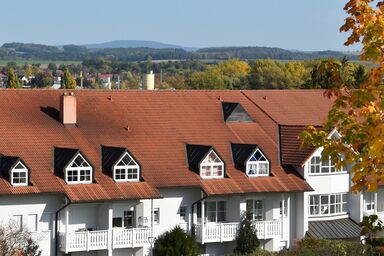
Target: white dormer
{"points": [[257, 165], [126, 169], [19, 175], [212, 166], [78, 171]]}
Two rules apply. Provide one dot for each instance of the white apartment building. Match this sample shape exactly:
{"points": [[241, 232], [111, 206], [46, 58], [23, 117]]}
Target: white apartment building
{"points": [[106, 172]]}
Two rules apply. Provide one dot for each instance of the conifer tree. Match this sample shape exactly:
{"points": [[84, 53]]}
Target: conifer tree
{"points": [[246, 237], [13, 81]]}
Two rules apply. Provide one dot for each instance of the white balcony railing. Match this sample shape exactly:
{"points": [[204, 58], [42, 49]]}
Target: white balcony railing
{"points": [[222, 232], [98, 240]]}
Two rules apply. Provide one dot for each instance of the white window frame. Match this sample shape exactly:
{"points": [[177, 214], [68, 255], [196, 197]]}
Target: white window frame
{"points": [[185, 218], [212, 166], [24, 170], [32, 227], [126, 169], [257, 212], [79, 169], [369, 201], [316, 166], [323, 202], [17, 222], [257, 164], [216, 211], [156, 215]]}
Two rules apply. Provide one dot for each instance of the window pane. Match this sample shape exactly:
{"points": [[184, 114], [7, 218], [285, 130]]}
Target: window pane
{"points": [[263, 168], [156, 215], [183, 213], [128, 219], [32, 222]]}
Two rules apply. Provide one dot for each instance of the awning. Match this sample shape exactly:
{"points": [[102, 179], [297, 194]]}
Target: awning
{"points": [[334, 229]]}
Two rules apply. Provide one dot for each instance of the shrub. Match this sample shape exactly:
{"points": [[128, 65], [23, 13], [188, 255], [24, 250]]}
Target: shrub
{"points": [[176, 242], [246, 237]]}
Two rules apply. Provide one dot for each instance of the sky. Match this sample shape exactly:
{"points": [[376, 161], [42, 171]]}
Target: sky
{"points": [[296, 25]]}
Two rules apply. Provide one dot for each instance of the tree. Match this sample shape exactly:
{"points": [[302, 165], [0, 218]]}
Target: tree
{"points": [[16, 242], [176, 242], [246, 237], [67, 81], [370, 226], [13, 80], [42, 79], [358, 114]]}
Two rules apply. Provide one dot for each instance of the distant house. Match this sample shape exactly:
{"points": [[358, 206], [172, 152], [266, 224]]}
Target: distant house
{"points": [[105, 80], [3, 79]]}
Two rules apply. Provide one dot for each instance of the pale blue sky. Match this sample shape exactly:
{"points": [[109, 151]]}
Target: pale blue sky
{"points": [[295, 24]]}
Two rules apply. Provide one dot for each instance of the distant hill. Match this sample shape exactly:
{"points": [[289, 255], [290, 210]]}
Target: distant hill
{"points": [[136, 44], [128, 51]]}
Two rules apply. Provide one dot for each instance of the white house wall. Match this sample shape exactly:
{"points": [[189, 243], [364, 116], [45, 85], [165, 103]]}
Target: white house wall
{"points": [[24, 205]]}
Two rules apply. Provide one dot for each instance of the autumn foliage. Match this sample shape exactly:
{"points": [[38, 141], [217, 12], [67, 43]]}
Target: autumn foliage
{"points": [[357, 114]]}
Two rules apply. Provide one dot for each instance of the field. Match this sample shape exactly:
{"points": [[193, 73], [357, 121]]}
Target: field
{"points": [[42, 62]]}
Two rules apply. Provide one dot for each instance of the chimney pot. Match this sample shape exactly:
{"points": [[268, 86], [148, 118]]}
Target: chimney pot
{"points": [[68, 108]]}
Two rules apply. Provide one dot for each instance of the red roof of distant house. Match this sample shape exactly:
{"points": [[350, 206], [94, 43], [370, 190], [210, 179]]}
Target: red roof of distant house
{"points": [[105, 76], [155, 126]]}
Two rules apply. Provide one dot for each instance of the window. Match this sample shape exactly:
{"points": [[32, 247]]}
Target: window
{"points": [[17, 222], [32, 222], [117, 222], [212, 166], [129, 219], [215, 211], [256, 208], [46, 222], [156, 216], [79, 171], [258, 165], [19, 175], [183, 213], [369, 199], [283, 210], [318, 166], [126, 169], [327, 204]]}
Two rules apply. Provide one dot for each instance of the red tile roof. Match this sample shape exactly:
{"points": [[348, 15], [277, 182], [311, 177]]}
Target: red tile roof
{"points": [[291, 152], [293, 107], [154, 125]]}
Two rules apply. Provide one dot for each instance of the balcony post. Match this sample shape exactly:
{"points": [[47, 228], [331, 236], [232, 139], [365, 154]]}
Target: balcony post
{"points": [[221, 232], [265, 228], [282, 216], [288, 218], [202, 222], [133, 237], [375, 208], [66, 229], [109, 236], [88, 241]]}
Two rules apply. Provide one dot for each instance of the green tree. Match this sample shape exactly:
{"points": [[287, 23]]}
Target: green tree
{"points": [[246, 237], [358, 114], [176, 242], [13, 80], [42, 79], [67, 81]]}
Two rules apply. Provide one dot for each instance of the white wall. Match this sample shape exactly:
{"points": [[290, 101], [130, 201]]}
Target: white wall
{"points": [[25, 205]]}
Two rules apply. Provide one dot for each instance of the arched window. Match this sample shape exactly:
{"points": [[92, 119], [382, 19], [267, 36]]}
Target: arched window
{"points": [[79, 171], [212, 166], [19, 175], [126, 169], [258, 164]]}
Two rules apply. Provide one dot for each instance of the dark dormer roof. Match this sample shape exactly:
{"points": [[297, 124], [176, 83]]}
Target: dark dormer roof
{"points": [[241, 153], [6, 165], [63, 156], [110, 156], [234, 112], [196, 154]]}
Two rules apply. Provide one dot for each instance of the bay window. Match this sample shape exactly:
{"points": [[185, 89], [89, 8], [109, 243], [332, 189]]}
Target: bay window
{"points": [[329, 204]]}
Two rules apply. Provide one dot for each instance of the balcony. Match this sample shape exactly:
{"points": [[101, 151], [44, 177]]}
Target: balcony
{"points": [[99, 240], [224, 232]]}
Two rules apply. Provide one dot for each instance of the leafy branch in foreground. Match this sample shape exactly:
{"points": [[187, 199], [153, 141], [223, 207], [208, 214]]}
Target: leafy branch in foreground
{"points": [[357, 114]]}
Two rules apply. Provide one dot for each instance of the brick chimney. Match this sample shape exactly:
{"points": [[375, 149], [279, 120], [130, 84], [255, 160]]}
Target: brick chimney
{"points": [[68, 108]]}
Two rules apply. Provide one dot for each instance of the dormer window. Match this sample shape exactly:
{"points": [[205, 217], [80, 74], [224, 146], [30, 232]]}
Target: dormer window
{"points": [[126, 169], [120, 164], [258, 165], [250, 159], [205, 161], [79, 171], [19, 175], [212, 166]]}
